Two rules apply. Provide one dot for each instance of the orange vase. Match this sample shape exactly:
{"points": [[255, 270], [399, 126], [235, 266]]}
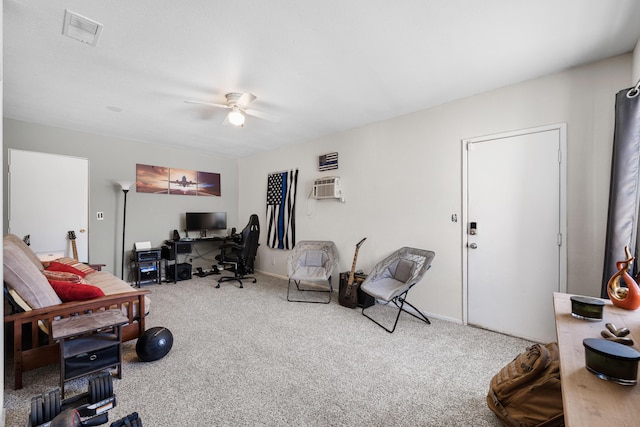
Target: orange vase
{"points": [[628, 296]]}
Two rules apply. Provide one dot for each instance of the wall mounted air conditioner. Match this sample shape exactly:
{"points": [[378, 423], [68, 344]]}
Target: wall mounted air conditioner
{"points": [[327, 188]]}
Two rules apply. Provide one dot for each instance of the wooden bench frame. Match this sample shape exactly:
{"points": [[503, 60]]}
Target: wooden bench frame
{"points": [[39, 355]]}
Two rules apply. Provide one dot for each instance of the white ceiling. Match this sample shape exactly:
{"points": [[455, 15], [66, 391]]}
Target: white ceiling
{"points": [[321, 66]]}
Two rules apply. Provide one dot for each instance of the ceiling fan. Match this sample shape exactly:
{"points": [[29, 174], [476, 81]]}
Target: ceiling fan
{"points": [[237, 103]]}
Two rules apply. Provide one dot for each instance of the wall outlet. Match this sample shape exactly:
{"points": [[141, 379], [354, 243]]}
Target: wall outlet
{"points": [[100, 216]]}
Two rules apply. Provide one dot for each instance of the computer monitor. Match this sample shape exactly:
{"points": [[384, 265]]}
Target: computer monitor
{"points": [[201, 221]]}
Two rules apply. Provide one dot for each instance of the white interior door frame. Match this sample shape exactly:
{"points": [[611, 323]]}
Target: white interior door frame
{"points": [[48, 196], [466, 143]]}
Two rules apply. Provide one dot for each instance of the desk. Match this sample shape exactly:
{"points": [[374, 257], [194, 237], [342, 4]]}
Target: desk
{"points": [[185, 247], [588, 400]]}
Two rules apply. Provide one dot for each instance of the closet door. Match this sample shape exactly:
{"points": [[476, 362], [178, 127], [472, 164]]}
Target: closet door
{"points": [[48, 198]]}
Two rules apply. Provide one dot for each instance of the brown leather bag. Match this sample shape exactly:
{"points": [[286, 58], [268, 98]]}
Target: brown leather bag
{"points": [[526, 392]]}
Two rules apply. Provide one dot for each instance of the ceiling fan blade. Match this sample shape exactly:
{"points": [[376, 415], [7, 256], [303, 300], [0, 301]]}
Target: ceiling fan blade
{"points": [[210, 104], [261, 115], [246, 99]]}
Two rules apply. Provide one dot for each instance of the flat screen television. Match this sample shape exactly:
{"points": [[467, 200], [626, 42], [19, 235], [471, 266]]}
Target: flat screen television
{"points": [[200, 221]]}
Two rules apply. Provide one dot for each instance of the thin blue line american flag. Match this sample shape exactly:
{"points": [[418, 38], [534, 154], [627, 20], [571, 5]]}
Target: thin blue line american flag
{"points": [[328, 161], [281, 204]]}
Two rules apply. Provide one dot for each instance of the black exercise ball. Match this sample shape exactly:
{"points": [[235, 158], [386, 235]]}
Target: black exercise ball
{"points": [[154, 344]]}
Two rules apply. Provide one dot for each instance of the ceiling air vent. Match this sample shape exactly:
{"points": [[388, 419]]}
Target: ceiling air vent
{"points": [[81, 28]]}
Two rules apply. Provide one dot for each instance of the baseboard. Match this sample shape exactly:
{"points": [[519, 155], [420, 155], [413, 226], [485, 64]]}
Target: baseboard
{"points": [[266, 273], [279, 276], [408, 308]]}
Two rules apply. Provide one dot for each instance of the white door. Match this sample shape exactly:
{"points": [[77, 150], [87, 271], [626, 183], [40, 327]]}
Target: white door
{"points": [[48, 198], [516, 258]]}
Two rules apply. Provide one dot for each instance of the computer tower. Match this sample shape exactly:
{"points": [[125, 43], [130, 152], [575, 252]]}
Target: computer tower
{"points": [[183, 271]]}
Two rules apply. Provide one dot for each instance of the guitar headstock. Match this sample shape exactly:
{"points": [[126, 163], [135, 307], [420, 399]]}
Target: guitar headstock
{"points": [[71, 235]]}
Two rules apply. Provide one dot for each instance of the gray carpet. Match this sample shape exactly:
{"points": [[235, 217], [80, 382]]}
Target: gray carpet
{"points": [[249, 357]]}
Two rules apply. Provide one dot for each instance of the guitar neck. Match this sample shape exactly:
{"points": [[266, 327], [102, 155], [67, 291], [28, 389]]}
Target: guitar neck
{"points": [[355, 260], [75, 249], [71, 235], [353, 267]]}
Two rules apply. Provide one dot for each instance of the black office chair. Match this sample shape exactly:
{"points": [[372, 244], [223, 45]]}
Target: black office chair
{"points": [[238, 256]]}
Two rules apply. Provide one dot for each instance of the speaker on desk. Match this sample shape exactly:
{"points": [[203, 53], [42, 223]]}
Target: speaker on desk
{"points": [[183, 271], [183, 247]]}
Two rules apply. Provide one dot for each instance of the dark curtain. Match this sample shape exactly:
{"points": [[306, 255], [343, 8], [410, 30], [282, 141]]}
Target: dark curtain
{"points": [[624, 191]]}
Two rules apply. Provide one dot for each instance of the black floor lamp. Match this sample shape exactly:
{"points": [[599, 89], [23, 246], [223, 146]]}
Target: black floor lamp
{"points": [[125, 189]]}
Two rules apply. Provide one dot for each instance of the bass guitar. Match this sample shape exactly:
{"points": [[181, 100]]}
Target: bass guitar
{"points": [[71, 235], [348, 295]]}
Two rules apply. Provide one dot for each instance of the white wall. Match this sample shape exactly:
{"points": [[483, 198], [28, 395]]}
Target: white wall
{"points": [[150, 217], [402, 179]]}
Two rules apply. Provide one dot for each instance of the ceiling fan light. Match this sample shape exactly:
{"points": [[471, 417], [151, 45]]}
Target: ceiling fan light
{"points": [[236, 118]]}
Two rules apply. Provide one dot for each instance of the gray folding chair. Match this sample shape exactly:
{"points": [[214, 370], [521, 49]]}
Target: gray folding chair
{"points": [[312, 261], [393, 277]]}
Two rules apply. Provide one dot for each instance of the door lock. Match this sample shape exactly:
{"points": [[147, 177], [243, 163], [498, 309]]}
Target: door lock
{"points": [[473, 228]]}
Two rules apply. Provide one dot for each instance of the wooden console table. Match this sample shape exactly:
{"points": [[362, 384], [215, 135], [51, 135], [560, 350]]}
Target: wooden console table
{"points": [[587, 399], [89, 343]]}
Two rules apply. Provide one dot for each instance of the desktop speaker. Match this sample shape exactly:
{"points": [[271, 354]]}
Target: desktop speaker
{"points": [[179, 271], [183, 247]]}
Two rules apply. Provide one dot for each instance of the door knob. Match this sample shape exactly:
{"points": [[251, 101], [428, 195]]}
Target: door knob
{"points": [[473, 245]]}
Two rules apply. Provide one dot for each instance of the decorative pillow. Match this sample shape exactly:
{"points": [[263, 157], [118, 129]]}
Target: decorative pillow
{"points": [[389, 271], [74, 263], [314, 258], [58, 266], [404, 270], [68, 291], [61, 276]]}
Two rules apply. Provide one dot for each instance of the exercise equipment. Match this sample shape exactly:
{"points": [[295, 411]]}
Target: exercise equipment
{"points": [[131, 420], [86, 409], [154, 344], [204, 273]]}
